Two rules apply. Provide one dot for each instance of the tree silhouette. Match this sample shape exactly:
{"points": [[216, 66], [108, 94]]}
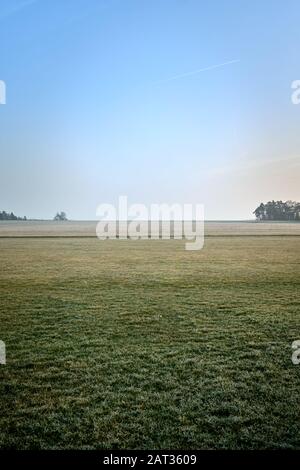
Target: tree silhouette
{"points": [[6, 216], [60, 216], [278, 210]]}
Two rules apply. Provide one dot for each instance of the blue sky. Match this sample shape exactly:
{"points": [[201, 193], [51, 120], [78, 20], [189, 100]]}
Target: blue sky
{"points": [[107, 98]]}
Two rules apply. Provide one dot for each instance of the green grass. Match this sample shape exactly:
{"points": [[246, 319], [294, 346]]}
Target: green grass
{"points": [[123, 344]]}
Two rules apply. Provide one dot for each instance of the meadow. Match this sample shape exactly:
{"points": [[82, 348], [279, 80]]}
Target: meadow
{"points": [[143, 345]]}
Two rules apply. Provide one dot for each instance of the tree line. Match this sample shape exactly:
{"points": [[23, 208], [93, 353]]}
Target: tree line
{"points": [[278, 210], [6, 216], [60, 216]]}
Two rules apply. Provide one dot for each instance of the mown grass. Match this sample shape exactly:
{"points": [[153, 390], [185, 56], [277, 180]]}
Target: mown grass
{"points": [[123, 344]]}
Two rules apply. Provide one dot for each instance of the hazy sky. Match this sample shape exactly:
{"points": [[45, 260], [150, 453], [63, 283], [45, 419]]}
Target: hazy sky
{"points": [[161, 100]]}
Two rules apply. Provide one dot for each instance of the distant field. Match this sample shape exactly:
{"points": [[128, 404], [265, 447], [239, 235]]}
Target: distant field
{"points": [[123, 344], [88, 228]]}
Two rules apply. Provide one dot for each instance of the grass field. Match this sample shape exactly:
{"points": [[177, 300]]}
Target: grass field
{"points": [[123, 344]]}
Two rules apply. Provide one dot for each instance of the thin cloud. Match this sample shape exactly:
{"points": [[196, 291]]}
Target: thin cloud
{"points": [[195, 72], [293, 160], [17, 8]]}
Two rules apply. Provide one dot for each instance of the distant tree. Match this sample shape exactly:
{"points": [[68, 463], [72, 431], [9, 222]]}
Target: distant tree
{"points": [[278, 210], [60, 216], [260, 212]]}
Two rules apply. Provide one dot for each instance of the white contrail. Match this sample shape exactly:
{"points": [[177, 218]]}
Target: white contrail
{"points": [[188, 74]]}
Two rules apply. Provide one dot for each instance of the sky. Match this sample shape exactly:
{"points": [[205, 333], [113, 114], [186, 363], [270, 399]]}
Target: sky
{"points": [[164, 101]]}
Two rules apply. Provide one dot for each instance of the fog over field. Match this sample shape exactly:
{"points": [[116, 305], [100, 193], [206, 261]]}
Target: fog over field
{"points": [[88, 228]]}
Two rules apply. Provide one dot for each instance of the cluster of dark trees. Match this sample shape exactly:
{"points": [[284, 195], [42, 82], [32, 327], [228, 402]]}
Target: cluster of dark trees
{"points": [[278, 210], [6, 216]]}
